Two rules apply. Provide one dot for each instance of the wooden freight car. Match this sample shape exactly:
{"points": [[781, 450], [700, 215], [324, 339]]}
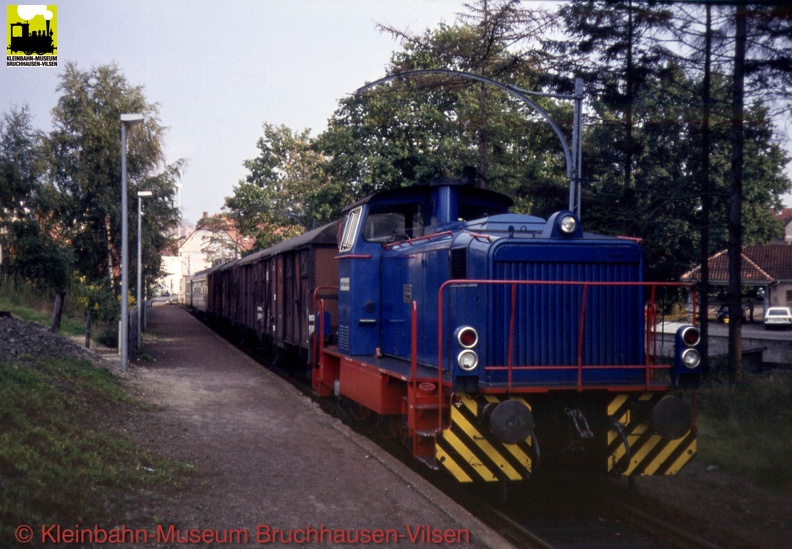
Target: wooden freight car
{"points": [[267, 297]]}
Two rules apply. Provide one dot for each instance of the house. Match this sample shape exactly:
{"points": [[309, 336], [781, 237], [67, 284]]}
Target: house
{"points": [[767, 269], [215, 240], [785, 217]]}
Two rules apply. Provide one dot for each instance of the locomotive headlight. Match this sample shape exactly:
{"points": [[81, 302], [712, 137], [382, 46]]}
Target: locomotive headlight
{"points": [[691, 336], [467, 360], [467, 337], [687, 357], [691, 358], [568, 224]]}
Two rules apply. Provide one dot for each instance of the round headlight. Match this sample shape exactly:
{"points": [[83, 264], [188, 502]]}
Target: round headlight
{"points": [[691, 336], [467, 360], [691, 358], [467, 337], [568, 224]]}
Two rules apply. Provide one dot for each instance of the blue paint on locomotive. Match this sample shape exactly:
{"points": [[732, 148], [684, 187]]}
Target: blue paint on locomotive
{"points": [[400, 246], [378, 279]]}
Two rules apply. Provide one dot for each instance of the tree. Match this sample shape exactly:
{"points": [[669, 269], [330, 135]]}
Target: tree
{"points": [[33, 251], [413, 130], [278, 198], [735, 196], [613, 43], [21, 166], [223, 243], [610, 39], [643, 156], [85, 168], [768, 63]]}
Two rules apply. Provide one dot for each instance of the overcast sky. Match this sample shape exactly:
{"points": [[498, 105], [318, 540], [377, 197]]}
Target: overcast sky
{"points": [[219, 69]]}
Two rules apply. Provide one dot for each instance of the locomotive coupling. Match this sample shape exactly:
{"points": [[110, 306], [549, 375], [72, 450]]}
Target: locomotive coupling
{"points": [[510, 421]]}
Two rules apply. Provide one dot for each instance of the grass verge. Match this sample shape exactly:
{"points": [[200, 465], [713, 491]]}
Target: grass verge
{"points": [[746, 429], [63, 458], [40, 314]]}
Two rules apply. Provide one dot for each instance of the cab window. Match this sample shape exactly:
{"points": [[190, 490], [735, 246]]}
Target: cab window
{"points": [[394, 224], [351, 225]]}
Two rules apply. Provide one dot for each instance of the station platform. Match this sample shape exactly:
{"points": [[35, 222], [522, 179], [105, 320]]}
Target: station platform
{"points": [[274, 461]]}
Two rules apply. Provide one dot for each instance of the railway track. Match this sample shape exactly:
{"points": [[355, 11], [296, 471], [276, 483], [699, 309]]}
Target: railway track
{"points": [[512, 530], [580, 516], [663, 529]]}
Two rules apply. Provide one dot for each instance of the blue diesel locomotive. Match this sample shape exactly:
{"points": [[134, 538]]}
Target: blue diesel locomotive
{"points": [[491, 343]]}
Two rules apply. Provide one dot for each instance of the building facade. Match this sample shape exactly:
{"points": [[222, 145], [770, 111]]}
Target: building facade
{"points": [[213, 242]]}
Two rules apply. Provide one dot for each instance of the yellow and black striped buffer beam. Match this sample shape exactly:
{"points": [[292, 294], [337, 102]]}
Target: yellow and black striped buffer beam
{"points": [[470, 452], [638, 450]]}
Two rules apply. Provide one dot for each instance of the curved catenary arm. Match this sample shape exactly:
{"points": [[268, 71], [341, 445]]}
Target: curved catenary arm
{"points": [[573, 161]]}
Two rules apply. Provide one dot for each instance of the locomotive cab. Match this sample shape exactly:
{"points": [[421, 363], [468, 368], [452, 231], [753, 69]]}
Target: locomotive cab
{"points": [[376, 243]]}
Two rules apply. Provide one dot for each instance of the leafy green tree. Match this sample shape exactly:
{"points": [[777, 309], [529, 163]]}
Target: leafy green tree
{"points": [[85, 152], [412, 130], [32, 248], [278, 198], [21, 166], [665, 204], [40, 259], [616, 48], [642, 153]]}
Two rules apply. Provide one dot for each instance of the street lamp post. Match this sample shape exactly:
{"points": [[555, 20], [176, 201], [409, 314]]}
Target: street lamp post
{"points": [[126, 120], [141, 195]]}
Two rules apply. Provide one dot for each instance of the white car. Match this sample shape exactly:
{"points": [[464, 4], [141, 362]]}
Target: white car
{"points": [[778, 317]]}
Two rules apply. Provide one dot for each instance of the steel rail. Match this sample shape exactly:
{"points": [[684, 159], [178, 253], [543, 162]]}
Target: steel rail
{"points": [[654, 525]]}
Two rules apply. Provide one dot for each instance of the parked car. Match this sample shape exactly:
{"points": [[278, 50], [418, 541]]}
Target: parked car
{"points": [[780, 317]]}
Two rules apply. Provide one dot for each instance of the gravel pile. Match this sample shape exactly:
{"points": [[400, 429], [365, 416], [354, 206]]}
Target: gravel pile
{"points": [[20, 339]]}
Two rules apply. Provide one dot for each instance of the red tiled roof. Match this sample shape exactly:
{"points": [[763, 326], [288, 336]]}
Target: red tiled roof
{"points": [[784, 215], [776, 260], [760, 265]]}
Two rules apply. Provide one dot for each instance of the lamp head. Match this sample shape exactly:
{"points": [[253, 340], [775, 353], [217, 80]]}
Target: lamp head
{"points": [[131, 119]]}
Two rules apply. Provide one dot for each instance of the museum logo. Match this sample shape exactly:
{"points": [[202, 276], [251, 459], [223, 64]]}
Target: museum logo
{"points": [[32, 35]]}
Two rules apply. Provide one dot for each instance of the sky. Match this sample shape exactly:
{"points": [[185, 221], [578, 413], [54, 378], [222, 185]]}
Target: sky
{"points": [[218, 70]]}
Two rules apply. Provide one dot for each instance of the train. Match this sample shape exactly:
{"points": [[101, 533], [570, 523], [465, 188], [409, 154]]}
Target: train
{"points": [[30, 42], [494, 345]]}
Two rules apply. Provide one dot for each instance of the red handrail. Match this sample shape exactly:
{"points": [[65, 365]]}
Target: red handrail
{"points": [[414, 345], [318, 343], [410, 241]]}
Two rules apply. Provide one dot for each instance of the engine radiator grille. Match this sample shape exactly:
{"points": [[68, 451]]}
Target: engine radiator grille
{"points": [[547, 320]]}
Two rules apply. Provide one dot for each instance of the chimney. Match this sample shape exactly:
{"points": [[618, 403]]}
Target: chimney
{"points": [[205, 215]]}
